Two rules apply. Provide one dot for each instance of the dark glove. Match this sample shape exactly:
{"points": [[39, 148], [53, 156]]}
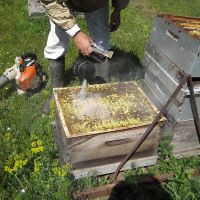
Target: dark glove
{"points": [[115, 20]]}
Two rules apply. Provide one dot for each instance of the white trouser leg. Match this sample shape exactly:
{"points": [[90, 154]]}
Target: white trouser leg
{"points": [[57, 42], [98, 25]]}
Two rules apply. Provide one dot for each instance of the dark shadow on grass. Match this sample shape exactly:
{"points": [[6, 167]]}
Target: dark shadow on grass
{"points": [[69, 76], [145, 190]]}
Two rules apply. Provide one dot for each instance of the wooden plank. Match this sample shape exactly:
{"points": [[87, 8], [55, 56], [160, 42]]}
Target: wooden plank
{"points": [[35, 8], [59, 113], [106, 190], [61, 140], [110, 168], [112, 147], [194, 152], [185, 137]]}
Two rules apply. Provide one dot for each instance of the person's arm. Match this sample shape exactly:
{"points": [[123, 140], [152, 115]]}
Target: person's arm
{"points": [[62, 16], [115, 18]]}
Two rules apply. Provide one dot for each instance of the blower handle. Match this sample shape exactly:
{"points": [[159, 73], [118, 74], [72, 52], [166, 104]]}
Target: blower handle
{"points": [[32, 58], [29, 55]]}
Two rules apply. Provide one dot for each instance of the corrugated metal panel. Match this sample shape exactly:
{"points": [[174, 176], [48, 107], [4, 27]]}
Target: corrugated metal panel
{"points": [[177, 43], [171, 50]]}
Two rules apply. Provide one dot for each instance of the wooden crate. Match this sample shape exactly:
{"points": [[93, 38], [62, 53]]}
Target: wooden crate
{"points": [[35, 9], [100, 153]]}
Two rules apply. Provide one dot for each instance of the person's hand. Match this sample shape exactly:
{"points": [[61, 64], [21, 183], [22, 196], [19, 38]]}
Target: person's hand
{"points": [[115, 20], [83, 43]]}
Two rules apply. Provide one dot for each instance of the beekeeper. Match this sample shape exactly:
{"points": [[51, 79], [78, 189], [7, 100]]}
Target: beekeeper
{"points": [[64, 26]]}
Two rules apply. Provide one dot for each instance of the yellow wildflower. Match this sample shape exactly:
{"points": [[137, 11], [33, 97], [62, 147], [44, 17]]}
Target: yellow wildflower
{"points": [[24, 162], [17, 165], [16, 157], [37, 166], [39, 143], [8, 169], [62, 171], [37, 149], [33, 144], [68, 166], [36, 143], [7, 136], [58, 171]]}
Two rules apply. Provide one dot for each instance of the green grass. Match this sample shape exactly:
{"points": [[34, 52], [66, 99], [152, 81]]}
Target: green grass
{"points": [[22, 123]]}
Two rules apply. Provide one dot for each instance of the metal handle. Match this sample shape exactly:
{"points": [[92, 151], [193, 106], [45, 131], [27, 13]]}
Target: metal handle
{"points": [[187, 92], [118, 142], [29, 55], [172, 35]]}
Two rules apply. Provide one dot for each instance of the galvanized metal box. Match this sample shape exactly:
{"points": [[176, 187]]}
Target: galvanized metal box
{"points": [[173, 48], [161, 78], [178, 38], [91, 147]]}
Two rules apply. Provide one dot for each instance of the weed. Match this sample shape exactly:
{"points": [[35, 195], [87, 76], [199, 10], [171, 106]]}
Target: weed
{"points": [[165, 147]]}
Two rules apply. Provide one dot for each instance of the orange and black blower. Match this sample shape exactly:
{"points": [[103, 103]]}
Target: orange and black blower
{"points": [[27, 73]]}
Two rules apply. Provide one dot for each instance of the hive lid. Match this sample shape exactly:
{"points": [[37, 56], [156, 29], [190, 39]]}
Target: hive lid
{"points": [[107, 108], [190, 24]]}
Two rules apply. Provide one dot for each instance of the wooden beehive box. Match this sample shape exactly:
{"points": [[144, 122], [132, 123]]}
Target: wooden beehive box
{"points": [[95, 133]]}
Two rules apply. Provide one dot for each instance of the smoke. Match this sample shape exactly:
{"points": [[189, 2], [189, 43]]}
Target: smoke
{"points": [[125, 67], [83, 92], [90, 105]]}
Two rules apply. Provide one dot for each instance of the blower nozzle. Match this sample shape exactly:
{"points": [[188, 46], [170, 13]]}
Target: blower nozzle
{"points": [[3, 81]]}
